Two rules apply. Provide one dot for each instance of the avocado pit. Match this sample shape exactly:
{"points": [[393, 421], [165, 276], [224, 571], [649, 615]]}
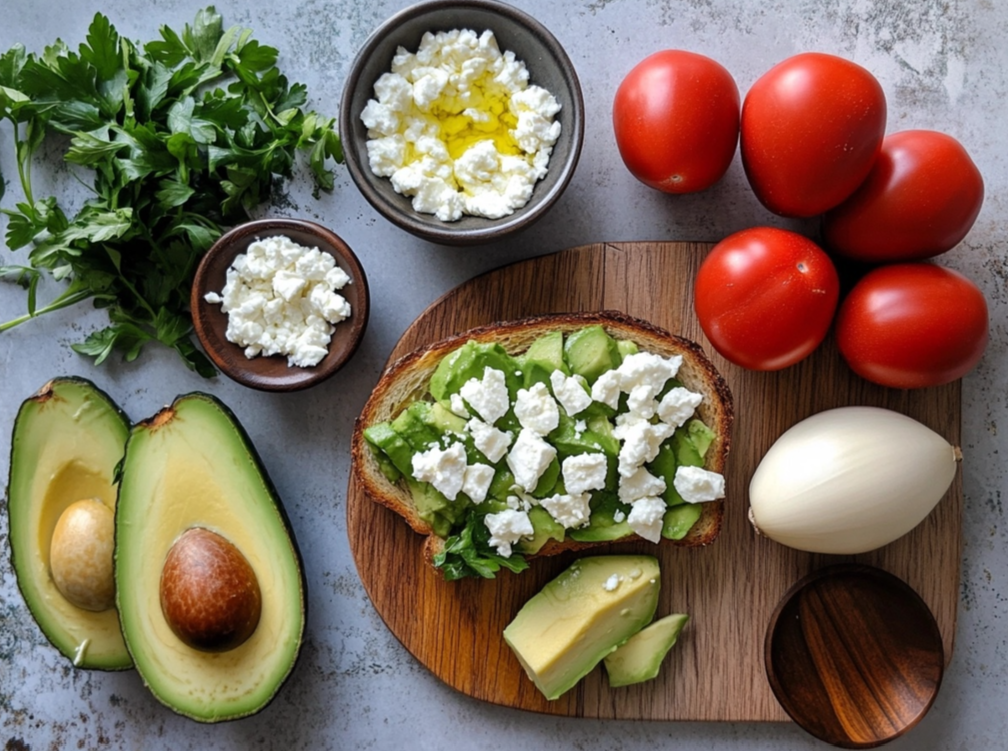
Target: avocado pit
{"points": [[80, 555], [210, 595]]}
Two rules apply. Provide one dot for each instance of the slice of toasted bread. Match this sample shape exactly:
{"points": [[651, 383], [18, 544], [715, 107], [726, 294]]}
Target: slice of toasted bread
{"points": [[408, 379]]}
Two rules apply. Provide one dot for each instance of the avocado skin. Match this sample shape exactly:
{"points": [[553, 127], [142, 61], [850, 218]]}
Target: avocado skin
{"points": [[43, 394], [153, 423]]}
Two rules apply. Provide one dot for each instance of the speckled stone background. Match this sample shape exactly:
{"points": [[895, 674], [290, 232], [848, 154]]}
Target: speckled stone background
{"points": [[943, 64]]}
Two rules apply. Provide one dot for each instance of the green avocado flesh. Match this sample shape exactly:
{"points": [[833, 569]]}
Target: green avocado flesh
{"points": [[577, 619], [640, 658], [192, 465], [66, 443], [588, 353]]}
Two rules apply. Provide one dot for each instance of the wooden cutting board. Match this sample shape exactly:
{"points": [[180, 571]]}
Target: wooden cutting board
{"points": [[729, 589]]}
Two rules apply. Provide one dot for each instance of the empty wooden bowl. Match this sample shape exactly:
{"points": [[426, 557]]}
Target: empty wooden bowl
{"points": [[273, 373], [854, 656]]}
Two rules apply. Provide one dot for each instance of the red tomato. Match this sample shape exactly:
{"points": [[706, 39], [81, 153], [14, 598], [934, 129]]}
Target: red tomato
{"points": [[676, 119], [765, 297], [811, 129], [911, 325], [920, 199]]}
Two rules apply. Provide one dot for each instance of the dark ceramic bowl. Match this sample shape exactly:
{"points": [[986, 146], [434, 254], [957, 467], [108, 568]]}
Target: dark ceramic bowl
{"points": [[548, 66], [272, 373], [854, 655]]}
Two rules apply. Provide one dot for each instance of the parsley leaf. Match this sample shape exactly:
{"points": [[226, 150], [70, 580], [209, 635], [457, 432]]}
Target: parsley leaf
{"points": [[468, 553], [183, 136]]}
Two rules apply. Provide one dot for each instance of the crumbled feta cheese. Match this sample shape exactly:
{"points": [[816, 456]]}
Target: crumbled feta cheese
{"points": [[287, 284], [642, 375], [606, 389], [529, 458], [477, 481], [580, 427], [678, 405], [646, 518], [536, 410], [584, 472], [618, 516], [570, 392], [458, 406], [641, 441], [520, 502], [697, 485], [489, 396], [506, 528], [610, 584], [568, 510], [640, 485], [488, 439], [436, 122], [280, 298], [444, 469]]}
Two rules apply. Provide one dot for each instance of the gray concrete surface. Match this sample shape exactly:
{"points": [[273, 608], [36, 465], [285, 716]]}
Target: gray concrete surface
{"points": [[943, 64]]}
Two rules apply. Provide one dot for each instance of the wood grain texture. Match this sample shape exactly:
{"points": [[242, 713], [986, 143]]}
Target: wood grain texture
{"points": [[854, 655], [730, 588]]}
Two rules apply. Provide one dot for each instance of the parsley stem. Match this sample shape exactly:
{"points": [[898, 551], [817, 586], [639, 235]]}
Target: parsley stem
{"points": [[24, 165], [126, 283], [65, 300], [269, 109]]}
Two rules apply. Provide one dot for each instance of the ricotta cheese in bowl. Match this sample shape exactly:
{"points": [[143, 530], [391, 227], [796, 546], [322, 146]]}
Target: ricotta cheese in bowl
{"points": [[457, 127]]}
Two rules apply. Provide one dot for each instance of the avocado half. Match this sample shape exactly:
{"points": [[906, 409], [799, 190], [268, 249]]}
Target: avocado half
{"points": [[192, 465], [68, 439]]}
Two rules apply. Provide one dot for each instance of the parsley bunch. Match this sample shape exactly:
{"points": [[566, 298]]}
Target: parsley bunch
{"points": [[184, 135]]}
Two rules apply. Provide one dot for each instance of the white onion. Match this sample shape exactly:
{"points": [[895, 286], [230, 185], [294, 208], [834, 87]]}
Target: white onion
{"points": [[850, 480]]}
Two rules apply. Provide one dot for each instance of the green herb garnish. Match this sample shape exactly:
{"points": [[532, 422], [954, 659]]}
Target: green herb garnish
{"points": [[184, 134], [468, 553]]}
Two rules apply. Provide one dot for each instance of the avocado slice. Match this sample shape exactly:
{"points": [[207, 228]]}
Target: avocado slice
{"points": [[469, 361], [701, 436], [67, 440], [444, 420], [392, 446], [192, 466], [591, 608], [434, 507], [545, 528], [640, 658], [626, 348], [590, 352], [543, 356], [602, 526], [415, 427], [679, 520]]}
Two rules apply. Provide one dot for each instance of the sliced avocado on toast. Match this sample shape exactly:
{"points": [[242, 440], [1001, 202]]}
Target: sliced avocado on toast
{"points": [[529, 354]]}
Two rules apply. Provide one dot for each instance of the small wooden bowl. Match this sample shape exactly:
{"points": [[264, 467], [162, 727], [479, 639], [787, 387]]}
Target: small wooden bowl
{"points": [[273, 373], [854, 656]]}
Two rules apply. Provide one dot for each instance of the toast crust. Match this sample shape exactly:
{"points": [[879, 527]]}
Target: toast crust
{"points": [[407, 380]]}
